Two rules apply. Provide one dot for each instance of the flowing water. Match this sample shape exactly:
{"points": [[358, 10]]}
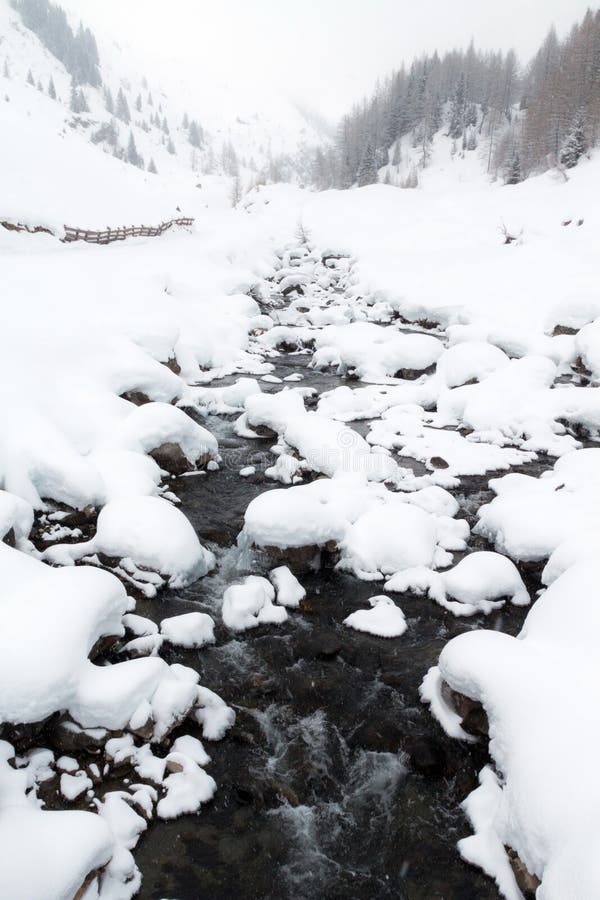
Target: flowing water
{"points": [[335, 781]]}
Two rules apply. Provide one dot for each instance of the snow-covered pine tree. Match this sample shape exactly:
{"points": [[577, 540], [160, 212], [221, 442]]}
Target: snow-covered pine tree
{"points": [[138, 102], [122, 109], [367, 170], [30, 78], [109, 103], [513, 172], [165, 126], [152, 167], [185, 124], [132, 153], [458, 108], [576, 143], [77, 103], [195, 134], [170, 146], [236, 191], [51, 89]]}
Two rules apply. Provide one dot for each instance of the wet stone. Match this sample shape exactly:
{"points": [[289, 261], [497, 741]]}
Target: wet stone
{"points": [[427, 756]]}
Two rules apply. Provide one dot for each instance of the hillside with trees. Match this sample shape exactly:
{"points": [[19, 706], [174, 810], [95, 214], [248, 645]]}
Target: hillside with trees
{"points": [[523, 120]]}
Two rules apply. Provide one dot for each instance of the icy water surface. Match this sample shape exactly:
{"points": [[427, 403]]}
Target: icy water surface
{"points": [[335, 781]]}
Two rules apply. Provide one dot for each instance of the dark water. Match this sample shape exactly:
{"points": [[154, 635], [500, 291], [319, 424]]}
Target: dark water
{"points": [[335, 781]]}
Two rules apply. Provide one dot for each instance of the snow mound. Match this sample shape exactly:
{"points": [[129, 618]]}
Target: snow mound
{"points": [[546, 803], [289, 590], [251, 604], [479, 583], [385, 619], [153, 425], [190, 630], [16, 515], [531, 517], [374, 353], [469, 361], [147, 533]]}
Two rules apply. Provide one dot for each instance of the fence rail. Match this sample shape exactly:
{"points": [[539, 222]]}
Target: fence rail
{"points": [[30, 229], [120, 234], [102, 237]]}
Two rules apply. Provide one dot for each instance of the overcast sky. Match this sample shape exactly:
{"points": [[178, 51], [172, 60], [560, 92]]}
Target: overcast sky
{"points": [[326, 53]]}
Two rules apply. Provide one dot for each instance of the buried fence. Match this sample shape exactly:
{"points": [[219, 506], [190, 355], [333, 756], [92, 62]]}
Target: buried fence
{"points": [[102, 237], [120, 234]]}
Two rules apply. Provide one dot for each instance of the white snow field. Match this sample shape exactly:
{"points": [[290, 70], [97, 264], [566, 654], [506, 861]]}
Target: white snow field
{"points": [[105, 353]]}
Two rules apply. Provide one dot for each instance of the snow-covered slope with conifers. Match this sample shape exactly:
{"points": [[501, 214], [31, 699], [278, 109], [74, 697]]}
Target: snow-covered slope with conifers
{"points": [[238, 134]]}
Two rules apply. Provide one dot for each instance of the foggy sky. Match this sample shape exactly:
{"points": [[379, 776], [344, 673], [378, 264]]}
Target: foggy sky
{"points": [[326, 53]]}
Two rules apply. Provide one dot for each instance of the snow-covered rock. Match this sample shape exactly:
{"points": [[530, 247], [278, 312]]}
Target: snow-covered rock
{"points": [[251, 604], [384, 619], [190, 630]]}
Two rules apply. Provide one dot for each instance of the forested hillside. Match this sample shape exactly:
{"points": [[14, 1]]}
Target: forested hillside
{"points": [[521, 120]]}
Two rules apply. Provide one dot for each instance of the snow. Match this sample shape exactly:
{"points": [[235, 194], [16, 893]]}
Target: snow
{"points": [[377, 532], [150, 533], [289, 590], [191, 630], [547, 799], [531, 517], [476, 384], [384, 541], [374, 353], [16, 515], [72, 786], [479, 583], [65, 846], [384, 619], [186, 789], [470, 360], [251, 604]]}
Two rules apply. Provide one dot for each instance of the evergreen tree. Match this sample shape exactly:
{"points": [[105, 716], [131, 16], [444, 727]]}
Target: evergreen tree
{"points": [[77, 51], [40, 87], [458, 108], [576, 142], [165, 126], [367, 171], [122, 110], [185, 122], [132, 154], [78, 103], [109, 103], [513, 173], [171, 147], [152, 167], [30, 78], [138, 103], [195, 134], [150, 100], [51, 89]]}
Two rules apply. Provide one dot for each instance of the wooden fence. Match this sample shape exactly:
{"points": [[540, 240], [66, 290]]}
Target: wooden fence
{"points": [[120, 234], [101, 237], [30, 229]]}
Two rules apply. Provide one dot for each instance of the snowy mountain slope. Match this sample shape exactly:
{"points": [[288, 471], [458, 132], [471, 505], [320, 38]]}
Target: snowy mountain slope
{"points": [[237, 131]]}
